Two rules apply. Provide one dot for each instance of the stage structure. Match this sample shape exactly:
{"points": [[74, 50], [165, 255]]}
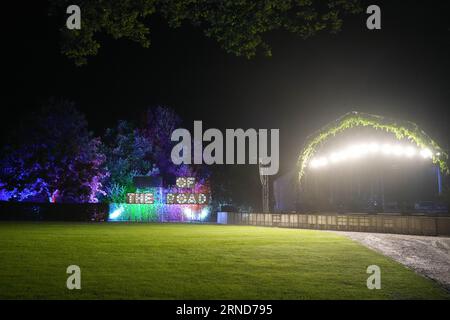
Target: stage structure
{"points": [[265, 187], [365, 163], [186, 201]]}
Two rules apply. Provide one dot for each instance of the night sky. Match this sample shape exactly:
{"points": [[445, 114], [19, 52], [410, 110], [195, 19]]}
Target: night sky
{"points": [[400, 71]]}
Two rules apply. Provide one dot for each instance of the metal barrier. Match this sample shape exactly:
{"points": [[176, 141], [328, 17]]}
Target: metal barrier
{"points": [[28, 211], [383, 223]]}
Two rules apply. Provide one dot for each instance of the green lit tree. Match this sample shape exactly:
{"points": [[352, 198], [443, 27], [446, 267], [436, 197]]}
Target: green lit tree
{"points": [[128, 154]]}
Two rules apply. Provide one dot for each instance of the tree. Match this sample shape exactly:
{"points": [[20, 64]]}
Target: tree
{"points": [[143, 151], [160, 123], [158, 127], [239, 26], [53, 157], [128, 154]]}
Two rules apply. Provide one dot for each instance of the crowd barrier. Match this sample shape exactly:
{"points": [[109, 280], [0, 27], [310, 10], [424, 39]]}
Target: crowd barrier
{"points": [[384, 223]]}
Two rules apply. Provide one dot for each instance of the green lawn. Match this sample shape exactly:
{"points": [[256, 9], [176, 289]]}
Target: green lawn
{"points": [[170, 261]]}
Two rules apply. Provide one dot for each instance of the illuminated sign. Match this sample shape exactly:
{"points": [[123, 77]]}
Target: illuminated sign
{"points": [[185, 182], [186, 198], [140, 198], [172, 198]]}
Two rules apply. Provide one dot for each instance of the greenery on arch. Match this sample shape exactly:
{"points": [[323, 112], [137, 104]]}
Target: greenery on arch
{"points": [[400, 129]]}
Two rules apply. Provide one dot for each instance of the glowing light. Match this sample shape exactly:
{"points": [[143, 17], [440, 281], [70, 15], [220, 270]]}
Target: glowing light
{"points": [[170, 198], [187, 213], [116, 213], [185, 182], [202, 198], [362, 150], [335, 157], [204, 213], [374, 147], [386, 149], [426, 153], [410, 152], [181, 198], [140, 198], [319, 162], [159, 204]]}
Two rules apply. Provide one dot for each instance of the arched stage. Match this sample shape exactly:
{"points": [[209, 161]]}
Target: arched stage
{"points": [[361, 172], [364, 163]]}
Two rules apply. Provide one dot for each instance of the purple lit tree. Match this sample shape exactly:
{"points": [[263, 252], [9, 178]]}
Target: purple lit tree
{"points": [[53, 157], [158, 128], [160, 123]]}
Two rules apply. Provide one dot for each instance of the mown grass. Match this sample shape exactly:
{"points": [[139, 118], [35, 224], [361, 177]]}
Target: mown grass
{"points": [[178, 261]]}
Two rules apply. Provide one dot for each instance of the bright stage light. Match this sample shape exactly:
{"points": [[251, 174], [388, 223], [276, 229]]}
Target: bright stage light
{"points": [[317, 163], [386, 149], [335, 157], [398, 150], [362, 150], [410, 151], [374, 147], [426, 153]]}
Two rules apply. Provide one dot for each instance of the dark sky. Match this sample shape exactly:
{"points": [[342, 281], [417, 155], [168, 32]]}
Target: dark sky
{"points": [[400, 71]]}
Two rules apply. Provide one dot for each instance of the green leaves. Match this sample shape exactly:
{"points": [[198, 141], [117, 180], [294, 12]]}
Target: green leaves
{"points": [[238, 26]]}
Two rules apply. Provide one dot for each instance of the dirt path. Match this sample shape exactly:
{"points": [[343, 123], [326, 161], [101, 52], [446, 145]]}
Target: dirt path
{"points": [[429, 256]]}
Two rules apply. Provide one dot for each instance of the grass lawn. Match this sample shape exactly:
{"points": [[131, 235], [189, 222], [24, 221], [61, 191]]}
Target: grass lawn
{"points": [[176, 261]]}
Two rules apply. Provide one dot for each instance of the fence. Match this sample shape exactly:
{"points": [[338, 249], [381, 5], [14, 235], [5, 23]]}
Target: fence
{"points": [[384, 223], [53, 211]]}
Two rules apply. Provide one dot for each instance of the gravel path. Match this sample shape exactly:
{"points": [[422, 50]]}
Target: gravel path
{"points": [[429, 256]]}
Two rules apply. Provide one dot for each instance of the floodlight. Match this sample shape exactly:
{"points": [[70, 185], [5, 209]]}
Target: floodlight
{"points": [[360, 150], [426, 153]]}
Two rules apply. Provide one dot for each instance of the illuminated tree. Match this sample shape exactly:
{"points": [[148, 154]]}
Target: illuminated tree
{"points": [[128, 154], [143, 151], [158, 127], [53, 157]]}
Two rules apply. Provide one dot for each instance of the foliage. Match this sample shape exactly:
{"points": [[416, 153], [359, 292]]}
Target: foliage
{"points": [[239, 26], [159, 124], [116, 193], [401, 130], [128, 154], [144, 151], [54, 157], [227, 189]]}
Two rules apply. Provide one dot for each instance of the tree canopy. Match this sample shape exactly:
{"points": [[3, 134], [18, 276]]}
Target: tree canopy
{"points": [[53, 157], [239, 26]]}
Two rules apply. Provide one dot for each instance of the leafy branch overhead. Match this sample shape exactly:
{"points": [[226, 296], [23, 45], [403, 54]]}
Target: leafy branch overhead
{"points": [[239, 26]]}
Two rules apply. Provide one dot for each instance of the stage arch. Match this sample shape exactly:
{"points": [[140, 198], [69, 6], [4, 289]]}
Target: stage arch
{"points": [[375, 180], [399, 129]]}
